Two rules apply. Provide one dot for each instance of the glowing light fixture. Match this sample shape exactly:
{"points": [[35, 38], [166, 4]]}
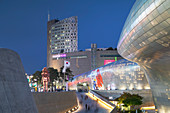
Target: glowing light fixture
{"points": [[103, 103]]}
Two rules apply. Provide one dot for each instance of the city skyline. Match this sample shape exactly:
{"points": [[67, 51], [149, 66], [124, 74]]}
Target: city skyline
{"points": [[24, 25]]}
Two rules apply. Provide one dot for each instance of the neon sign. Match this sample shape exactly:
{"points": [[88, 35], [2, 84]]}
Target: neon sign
{"points": [[108, 61], [59, 55]]}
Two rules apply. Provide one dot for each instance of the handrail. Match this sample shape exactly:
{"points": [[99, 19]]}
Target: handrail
{"points": [[105, 100]]}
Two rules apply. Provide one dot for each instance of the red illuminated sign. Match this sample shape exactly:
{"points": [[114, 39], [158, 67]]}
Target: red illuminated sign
{"points": [[108, 61]]}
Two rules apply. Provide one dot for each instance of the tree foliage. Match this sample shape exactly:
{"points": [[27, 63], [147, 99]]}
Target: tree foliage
{"points": [[68, 73], [110, 48], [130, 99], [37, 76], [53, 74]]}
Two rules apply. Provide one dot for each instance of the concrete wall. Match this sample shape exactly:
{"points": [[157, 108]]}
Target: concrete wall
{"points": [[15, 95], [55, 102]]}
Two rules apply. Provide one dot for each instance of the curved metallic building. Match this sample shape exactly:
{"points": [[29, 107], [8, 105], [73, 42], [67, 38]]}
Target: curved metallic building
{"points": [[119, 75], [145, 39]]}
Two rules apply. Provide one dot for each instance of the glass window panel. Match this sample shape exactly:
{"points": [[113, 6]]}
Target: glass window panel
{"points": [[157, 3], [147, 11], [146, 20], [155, 13], [160, 34], [145, 28], [165, 15], [149, 26], [159, 19], [140, 32], [153, 31], [168, 37], [150, 17], [166, 4], [164, 24], [165, 39], [142, 38], [167, 29], [146, 42], [168, 12], [161, 9], [154, 22]]}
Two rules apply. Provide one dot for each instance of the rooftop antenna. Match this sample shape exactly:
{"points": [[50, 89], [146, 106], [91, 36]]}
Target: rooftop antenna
{"points": [[48, 16]]}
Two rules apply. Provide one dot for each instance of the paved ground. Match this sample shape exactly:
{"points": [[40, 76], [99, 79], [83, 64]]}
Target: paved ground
{"points": [[94, 106]]}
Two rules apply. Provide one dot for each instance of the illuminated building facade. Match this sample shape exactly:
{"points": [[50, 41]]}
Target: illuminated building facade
{"points": [[119, 75], [83, 61], [145, 39], [61, 36]]}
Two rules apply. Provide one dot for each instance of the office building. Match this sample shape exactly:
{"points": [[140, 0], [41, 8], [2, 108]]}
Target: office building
{"points": [[83, 61], [61, 36]]}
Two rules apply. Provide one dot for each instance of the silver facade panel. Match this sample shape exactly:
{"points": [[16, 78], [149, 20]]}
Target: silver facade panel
{"points": [[119, 75], [145, 39]]}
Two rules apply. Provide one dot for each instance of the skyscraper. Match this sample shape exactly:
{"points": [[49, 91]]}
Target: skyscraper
{"points": [[61, 36]]}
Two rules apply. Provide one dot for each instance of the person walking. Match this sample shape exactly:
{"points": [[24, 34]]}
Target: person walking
{"points": [[81, 96], [86, 106]]}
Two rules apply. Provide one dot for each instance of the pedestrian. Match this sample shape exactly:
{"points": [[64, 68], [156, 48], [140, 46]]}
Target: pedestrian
{"points": [[81, 96], [81, 101], [86, 106], [86, 97], [96, 110]]}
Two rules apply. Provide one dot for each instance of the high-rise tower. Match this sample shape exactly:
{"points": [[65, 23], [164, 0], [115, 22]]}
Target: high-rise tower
{"points": [[61, 36]]}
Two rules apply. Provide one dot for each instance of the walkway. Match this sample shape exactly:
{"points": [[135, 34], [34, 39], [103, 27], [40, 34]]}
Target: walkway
{"points": [[95, 107]]}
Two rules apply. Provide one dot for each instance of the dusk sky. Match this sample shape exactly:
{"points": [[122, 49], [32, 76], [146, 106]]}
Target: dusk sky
{"points": [[23, 25]]}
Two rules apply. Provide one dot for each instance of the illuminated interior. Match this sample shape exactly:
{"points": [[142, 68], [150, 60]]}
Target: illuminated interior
{"points": [[119, 75]]}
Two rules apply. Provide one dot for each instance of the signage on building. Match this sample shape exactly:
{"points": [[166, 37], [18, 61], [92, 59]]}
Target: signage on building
{"points": [[59, 55], [108, 61]]}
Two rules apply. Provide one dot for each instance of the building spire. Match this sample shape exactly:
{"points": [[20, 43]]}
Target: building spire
{"points": [[48, 16]]}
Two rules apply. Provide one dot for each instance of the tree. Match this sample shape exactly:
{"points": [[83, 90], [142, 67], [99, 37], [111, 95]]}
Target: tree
{"points": [[130, 100], [68, 73], [133, 100], [110, 48], [53, 74], [37, 76], [123, 97]]}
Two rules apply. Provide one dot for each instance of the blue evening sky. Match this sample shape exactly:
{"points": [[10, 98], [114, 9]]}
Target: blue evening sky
{"points": [[23, 25]]}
